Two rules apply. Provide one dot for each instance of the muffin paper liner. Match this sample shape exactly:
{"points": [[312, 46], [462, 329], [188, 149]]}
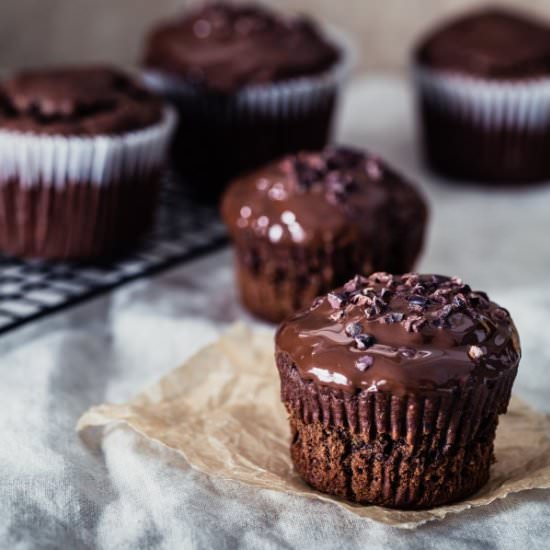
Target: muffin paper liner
{"points": [[392, 439], [492, 104], [223, 135], [275, 280], [80, 220], [33, 159], [448, 418], [485, 130], [278, 279], [221, 413], [69, 197]]}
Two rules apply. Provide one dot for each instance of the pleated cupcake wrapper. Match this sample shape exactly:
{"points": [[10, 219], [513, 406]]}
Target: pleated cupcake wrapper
{"points": [[289, 277], [79, 197], [393, 450], [286, 277], [79, 220], [33, 159], [445, 419], [490, 104], [292, 261], [286, 99]]}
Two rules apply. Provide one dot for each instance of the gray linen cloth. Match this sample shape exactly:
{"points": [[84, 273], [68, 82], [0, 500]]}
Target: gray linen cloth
{"points": [[57, 493]]}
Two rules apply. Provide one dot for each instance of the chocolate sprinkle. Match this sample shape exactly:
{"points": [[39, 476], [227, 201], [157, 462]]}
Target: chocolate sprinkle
{"points": [[364, 341], [500, 314], [431, 301], [353, 329], [335, 300], [408, 353], [459, 301], [394, 317], [417, 302], [337, 315], [365, 362], [419, 331], [475, 353]]}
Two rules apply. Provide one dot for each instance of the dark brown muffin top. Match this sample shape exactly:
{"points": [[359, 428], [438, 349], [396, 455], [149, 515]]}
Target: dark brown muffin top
{"points": [[223, 47], [403, 334], [76, 101], [493, 43], [334, 197]]}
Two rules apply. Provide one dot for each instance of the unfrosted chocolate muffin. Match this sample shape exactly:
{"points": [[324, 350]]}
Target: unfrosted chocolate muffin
{"points": [[484, 93], [307, 223], [394, 386], [81, 153], [250, 86]]}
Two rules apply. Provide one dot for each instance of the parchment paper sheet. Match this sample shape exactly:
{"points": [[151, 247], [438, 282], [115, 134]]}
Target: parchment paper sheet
{"points": [[221, 412]]}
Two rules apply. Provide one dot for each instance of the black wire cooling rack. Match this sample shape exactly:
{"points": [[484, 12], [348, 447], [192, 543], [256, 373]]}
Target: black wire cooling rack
{"points": [[31, 289]]}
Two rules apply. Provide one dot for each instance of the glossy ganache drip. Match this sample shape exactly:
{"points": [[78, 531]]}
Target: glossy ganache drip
{"points": [[341, 194], [402, 334]]}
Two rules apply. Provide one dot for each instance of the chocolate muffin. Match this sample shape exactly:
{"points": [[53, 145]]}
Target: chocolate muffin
{"points": [[250, 86], [307, 223], [394, 386], [484, 93], [81, 154]]}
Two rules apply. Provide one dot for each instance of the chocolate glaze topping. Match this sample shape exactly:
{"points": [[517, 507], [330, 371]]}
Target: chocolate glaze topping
{"points": [[223, 47], [339, 195], [403, 334], [492, 43], [76, 101]]}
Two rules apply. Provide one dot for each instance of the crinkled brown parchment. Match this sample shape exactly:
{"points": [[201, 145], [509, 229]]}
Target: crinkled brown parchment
{"points": [[221, 412]]}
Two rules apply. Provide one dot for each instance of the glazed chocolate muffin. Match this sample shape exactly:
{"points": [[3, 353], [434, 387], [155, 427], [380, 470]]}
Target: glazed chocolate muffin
{"points": [[76, 101], [307, 223], [250, 86], [484, 92], [81, 152], [394, 385], [224, 47]]}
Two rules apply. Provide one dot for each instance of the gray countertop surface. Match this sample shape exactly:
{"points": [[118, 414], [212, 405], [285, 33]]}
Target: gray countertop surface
{"points": [[57, 493]]}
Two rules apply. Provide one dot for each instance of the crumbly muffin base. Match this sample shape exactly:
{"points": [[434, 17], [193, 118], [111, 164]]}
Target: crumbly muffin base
{"points": [[271, 300], [388, 472], [275, 282], [403, 451]]}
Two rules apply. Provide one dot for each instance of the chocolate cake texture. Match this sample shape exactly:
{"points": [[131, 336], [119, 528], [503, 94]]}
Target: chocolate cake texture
{"points": [[308, 222], [394, 385]]}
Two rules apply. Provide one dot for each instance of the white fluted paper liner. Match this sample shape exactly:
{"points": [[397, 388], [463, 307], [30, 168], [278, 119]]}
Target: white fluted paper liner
{"points": [[287, 98], [492, 104], [33, 159]]}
